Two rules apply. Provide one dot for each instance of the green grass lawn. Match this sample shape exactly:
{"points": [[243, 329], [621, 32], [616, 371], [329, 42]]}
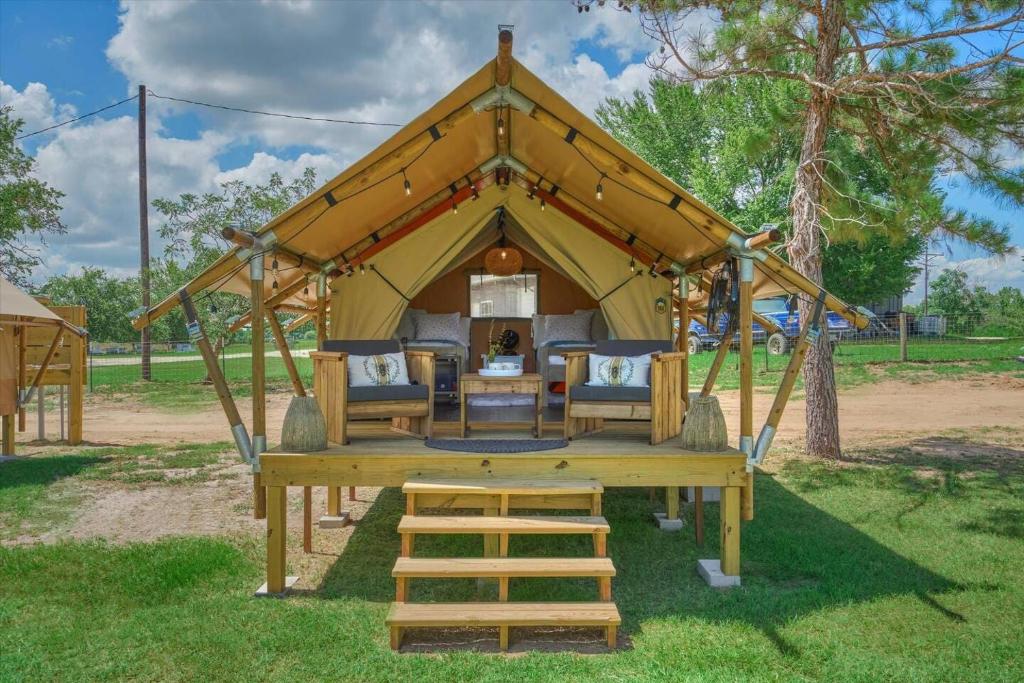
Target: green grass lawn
{"points": [[179, 385], [904, 564]]}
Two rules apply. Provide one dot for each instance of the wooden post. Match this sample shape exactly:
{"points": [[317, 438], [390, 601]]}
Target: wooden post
{"points": [[333, 492], [671, 502], [903, 337], [730, 523], [198, 335], [76, 412], [144, 232], [307, 519], [259, 382], [286, 354], [684, 338], [277, 534], [809, 334], [716, 364], [746, 268], [698, 514], [41, 413], [22, 373], [7, 444]]}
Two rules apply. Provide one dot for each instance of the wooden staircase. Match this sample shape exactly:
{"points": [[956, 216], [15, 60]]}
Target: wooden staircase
{"points": [[494, 498]]}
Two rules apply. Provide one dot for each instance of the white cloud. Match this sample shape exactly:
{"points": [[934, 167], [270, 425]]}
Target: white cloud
{"points": [[376, 61], [991, 272], [35, 106]]}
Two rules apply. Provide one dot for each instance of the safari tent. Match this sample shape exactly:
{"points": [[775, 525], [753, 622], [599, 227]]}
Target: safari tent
{"points": [[37, 339], [502, 159]]}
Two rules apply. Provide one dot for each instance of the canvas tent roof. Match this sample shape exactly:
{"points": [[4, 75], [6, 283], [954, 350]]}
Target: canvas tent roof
{"points": [[15, 303], [360, 214]]}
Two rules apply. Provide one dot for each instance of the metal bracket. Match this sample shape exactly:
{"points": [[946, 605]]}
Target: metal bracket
{"points": [[501, 95], [503, 160]]}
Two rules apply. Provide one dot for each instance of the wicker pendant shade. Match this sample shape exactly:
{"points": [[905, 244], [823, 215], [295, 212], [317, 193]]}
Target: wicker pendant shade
{"points": [[503, 260]]}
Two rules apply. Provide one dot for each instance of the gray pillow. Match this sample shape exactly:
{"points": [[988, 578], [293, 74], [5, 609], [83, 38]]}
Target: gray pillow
{"points": [[598, 325], [407, 325], [439, 327], [574, 328]]}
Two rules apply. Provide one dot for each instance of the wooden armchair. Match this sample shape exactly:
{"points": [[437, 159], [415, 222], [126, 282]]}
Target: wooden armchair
{"points": [[411, 407], [587, 407]]}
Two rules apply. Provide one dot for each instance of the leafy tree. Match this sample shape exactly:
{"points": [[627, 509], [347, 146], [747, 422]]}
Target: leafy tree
{"points": [[192, 227], [734, 143], [29, 208], [926, 84], [949, 295], [108, 300]]}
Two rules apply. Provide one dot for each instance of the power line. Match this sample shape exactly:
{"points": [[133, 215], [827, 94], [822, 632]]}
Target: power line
{"points": [[78, 118], [279, 115]]}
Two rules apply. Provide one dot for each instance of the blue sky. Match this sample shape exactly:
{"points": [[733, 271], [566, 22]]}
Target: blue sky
{"points": [[90, 54]]}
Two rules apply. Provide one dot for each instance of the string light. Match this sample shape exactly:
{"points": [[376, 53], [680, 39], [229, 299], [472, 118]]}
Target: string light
{"points": [[305, 291], [476, 195], [274, 286], [362, 269], [600, 189], [542, 204], [532, 192], [273, 266], [501, 126], [632, 264], [406, 184], [455, 207]]}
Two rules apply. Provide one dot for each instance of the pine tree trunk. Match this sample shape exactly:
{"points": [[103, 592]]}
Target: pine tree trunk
{"points": [[805, 246]]}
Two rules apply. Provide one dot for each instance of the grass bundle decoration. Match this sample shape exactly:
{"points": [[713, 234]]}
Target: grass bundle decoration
{"points": [[304, 428], [704, 428]]}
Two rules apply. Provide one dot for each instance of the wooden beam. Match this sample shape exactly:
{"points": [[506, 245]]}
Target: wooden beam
{"points": [[321, 313], [22, 372], [716, 364], [747, 384], [247, 240], [216, 375], [503, 62], [286, 354], [300, 321], [43, 366], [259, 385], [287, 225], [684, 338]]}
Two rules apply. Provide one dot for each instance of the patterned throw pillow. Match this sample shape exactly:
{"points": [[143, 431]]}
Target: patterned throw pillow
{"points": [[386, 369], [620, 371], [572, 328], [439, 327]]}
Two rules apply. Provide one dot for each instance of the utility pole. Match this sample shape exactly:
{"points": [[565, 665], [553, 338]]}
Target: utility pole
{"points": [[927, 261], [144, 230]]}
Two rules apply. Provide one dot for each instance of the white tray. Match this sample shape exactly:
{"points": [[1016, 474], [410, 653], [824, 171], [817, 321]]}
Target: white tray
{"points": [[487, 372]]}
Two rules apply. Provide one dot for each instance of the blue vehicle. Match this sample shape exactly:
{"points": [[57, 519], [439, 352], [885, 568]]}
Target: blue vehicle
{"points": [[775, 309]]}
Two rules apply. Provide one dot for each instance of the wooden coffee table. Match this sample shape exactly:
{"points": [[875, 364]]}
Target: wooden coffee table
{"points": [[527, 383]]}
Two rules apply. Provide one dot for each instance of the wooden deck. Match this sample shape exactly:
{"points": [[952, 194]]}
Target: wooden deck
{"points": [[620, 456]]}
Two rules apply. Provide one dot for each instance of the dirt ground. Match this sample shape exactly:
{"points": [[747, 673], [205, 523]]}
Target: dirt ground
{"points": [[865, 411], [888, 413]]}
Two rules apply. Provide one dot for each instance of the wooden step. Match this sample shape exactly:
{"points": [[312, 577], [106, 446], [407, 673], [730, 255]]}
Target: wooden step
{"points": [[408, 614], [521, 487], [496, 567], [539, 524]]}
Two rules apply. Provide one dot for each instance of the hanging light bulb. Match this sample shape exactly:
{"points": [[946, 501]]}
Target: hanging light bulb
{"points": [[532, 192], [599, 193], [476, 195], [274, 286], [455, 207], [305, 291], [406, 184], [504, 254], [632, 264], [273, 266], [501, 126], [362, 269], [542, 204]]}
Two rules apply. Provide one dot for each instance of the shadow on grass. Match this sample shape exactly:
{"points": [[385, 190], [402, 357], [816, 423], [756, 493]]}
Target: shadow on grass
{"points": [[946, 453], [797, 559], [44, 470]]}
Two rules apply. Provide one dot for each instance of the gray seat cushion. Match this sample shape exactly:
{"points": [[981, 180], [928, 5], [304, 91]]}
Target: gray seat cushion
{"points": [[630, 394], [632, 347], [392, 392], [363, 347]]}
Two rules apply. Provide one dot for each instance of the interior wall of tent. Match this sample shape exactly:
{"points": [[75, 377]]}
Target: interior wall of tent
{"points": [[450, 293]]}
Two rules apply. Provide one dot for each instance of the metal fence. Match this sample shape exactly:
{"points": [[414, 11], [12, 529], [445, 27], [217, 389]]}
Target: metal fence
{"points": [[118, 367]]}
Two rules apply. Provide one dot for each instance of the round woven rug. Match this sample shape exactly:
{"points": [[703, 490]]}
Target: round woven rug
{"points": [[496, 445]]}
